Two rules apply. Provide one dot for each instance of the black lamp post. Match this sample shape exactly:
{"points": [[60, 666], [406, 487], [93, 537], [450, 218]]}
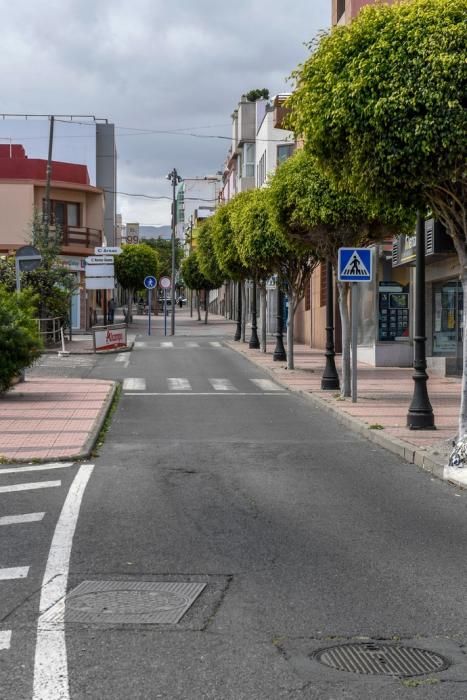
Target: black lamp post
{"points": [[279, 354], [330, 378], [420, 414], [238, 331], [254, 340]]}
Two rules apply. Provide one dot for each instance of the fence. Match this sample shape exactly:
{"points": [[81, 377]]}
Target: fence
{"points": [[49, 329]]}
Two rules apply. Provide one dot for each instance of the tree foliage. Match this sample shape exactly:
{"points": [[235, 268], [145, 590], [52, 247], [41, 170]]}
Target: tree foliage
{"points": [[192, 275], [208, 264], [164, 250], [134, 264], [223, 240], [381, 103], [256, 94], [20, 343]]}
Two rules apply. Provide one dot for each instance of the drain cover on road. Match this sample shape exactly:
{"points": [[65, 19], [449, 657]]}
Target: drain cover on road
{"points": [[129, 602], [375, 658]]}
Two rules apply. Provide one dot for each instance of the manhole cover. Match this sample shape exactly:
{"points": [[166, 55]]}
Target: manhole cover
{"points": [[375, 658], [128, 602]]}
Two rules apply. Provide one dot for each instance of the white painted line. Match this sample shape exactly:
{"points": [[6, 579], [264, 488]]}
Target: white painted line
{"points": [[124, 358], [16, 572], [178, 384], [206, 393], [222, 385], [192, 345], [5, 639], [167, 344], [134, 384], [18, 519], [215, 344], [267, 385], [140, 344], [30, 486], [37, 467], [50, 663]]}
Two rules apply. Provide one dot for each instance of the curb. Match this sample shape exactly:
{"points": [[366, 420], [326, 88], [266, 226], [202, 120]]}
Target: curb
{"points": [[128, 348], [425, 460]]}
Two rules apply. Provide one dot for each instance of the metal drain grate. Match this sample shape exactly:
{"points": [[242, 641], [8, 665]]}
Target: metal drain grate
{"points": [[127, 602], [385, 659]]}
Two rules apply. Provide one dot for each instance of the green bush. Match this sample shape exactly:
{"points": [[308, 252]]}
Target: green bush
{"points": [[20, 342]]}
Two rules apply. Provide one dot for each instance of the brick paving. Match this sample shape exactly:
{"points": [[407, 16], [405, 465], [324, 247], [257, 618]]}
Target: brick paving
{"points": [[51, 418]]}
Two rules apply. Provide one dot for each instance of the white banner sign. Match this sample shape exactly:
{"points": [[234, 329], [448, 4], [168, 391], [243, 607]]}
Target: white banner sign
{"points": [[99, 260], [99, 270], [110, 338], [100, 282]]}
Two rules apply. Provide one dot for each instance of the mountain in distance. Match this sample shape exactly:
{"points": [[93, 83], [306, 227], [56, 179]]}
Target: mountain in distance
{"points": [[164, 232]]}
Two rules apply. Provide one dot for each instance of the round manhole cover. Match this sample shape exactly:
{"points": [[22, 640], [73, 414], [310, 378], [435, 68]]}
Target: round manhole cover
{"points": [[379, 658]]}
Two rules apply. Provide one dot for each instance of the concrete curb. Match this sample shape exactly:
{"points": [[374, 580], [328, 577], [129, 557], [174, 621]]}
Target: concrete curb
{"points": [[128, 348], [421, 458]]}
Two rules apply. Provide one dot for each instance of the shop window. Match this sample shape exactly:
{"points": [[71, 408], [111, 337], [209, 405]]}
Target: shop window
{"points": [[448, 311]]}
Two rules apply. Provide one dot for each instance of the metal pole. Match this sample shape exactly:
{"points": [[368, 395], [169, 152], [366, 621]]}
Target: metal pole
{"points": [[149, 310], [355, 291], [48, 177], [238, 330], [165, 312], [254, 340], [330, 378], [279, 354], [18, 275], [420, 414], [172, 289]]}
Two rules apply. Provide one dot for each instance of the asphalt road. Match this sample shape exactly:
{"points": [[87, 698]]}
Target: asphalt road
{"points": [[304, 534]]}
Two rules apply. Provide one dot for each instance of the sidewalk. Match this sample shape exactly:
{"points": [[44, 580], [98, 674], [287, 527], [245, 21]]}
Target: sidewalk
{"points": [[384, 396], [48, 418]]}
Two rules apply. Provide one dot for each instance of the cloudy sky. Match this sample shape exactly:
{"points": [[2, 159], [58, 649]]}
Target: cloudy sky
{"points": [[147, 66]]}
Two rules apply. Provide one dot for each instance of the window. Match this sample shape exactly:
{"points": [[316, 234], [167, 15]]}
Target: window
{"points": [[284, 151], [249, 160], [64, 213]]}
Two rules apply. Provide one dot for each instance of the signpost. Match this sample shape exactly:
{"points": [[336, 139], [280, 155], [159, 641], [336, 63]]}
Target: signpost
{"points": [[107, 250], [355, 265], [27, 258], [165, 283], [99, 260], [150, 283]]}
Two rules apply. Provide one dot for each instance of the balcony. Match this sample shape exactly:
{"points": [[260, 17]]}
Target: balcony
{"points": [[80, 237]]}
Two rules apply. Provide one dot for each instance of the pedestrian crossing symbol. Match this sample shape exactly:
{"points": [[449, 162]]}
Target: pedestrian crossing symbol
{"points": [[355, 265]]}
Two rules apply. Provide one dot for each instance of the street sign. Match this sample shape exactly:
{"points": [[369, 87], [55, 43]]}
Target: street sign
{"points": [[99, 260], [165, 282], [100, 282], [100, 270], [28, 257], [107, 250], [150, 282], [132, 233], [355, 265]]}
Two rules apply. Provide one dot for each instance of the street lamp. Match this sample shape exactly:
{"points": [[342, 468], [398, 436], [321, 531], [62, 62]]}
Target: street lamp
{"points": [[330, 378], [174, 178], [279, 354], [254, 340]]}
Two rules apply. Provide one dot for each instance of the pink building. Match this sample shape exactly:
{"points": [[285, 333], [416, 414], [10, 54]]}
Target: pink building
{"points": [[344, 11]]}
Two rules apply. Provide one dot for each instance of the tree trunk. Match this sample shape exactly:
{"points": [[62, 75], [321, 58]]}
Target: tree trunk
{"points": [[263, 310], [198, 304], [130, 306], [343, 289], [290, 330], [244, 312], [206, 305], [463, 408]]}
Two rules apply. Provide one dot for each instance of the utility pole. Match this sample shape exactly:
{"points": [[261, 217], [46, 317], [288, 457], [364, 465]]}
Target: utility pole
{"points": [[174, 178], [190, 250], [48, 177]]}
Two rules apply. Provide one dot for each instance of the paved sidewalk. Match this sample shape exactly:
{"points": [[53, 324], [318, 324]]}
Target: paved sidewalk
{"points": [[384, 396], [47, 418]]}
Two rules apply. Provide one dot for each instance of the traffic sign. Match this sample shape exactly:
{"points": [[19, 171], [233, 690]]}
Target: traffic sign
{"points": [[165, 282], [107, 250], [99, 260], [355, 265], [150, 282]]}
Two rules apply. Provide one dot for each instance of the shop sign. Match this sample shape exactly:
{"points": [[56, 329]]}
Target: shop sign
{"points": [[75, 264], [110, 338]]}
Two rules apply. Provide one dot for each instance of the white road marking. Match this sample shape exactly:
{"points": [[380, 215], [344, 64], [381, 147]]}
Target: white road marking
{"points": [[167, 344], [124, 358], [36, 467], [222, 385], [267, 385], [191, 344], [5, 639], [30, 486], [15, 572], [207, 393], [50, 663], [178, 384], [215, 344], [140, 344], [18, 519], [134, 384]]}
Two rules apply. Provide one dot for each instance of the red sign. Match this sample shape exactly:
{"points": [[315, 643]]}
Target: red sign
{"points": [[110, 338]]}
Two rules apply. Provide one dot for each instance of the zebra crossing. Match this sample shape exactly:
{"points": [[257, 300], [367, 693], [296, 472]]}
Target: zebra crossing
{"points": [[133, 386], [178, 345]]}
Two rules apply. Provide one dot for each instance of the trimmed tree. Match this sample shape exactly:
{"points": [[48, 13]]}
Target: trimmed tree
{"points": [[381, 102], [194, 279], [207, 261], [131, 267], [20, 342]]}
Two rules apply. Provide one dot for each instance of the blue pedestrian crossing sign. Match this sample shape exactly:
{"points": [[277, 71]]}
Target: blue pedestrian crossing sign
{"points": [[355, 265], [150, 282]]}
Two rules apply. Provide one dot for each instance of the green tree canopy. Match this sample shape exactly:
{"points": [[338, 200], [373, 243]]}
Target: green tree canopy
{"points": [[20, 343], [207, 260], [134, 264], [381, 103], [223, 239], [164, 250], [192, 275]]}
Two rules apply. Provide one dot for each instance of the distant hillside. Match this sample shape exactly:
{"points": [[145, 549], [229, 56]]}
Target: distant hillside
{"points": [[155, 232]]}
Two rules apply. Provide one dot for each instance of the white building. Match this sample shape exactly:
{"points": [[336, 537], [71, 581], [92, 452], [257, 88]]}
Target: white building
{"points": [[273, 143], [197, 198]]}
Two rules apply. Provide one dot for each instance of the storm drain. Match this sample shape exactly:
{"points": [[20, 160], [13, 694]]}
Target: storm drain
{"points": [[128, 602], [385, 659]]}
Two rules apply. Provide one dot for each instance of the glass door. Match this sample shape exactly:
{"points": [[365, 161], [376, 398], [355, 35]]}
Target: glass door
{"points": [[448, 321]]}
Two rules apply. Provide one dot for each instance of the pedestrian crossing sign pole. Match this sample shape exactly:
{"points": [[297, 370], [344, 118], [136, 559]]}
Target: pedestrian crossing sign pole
{"points": [[355, 265]]}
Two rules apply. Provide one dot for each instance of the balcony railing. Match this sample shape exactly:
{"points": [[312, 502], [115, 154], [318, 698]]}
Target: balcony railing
{"points": [[81, 236]]}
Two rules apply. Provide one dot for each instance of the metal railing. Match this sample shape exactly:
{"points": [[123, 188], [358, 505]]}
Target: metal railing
{"points": [[81, 236], [49, 329]]}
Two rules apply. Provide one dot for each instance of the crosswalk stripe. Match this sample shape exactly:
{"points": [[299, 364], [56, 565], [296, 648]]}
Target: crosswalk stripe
{"points": [[222, 385], [192, 345], [36, 468], [121, 357], [5, 639], [30, 486], [18, 519], [178, 384], [16, 572], [267, 385], [140, 344], [167, 344], [134, 384], [215, 344]]}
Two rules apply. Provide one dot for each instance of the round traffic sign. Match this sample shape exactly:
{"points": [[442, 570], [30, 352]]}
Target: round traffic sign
{"points": [[150, 282], [165, 282]]}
